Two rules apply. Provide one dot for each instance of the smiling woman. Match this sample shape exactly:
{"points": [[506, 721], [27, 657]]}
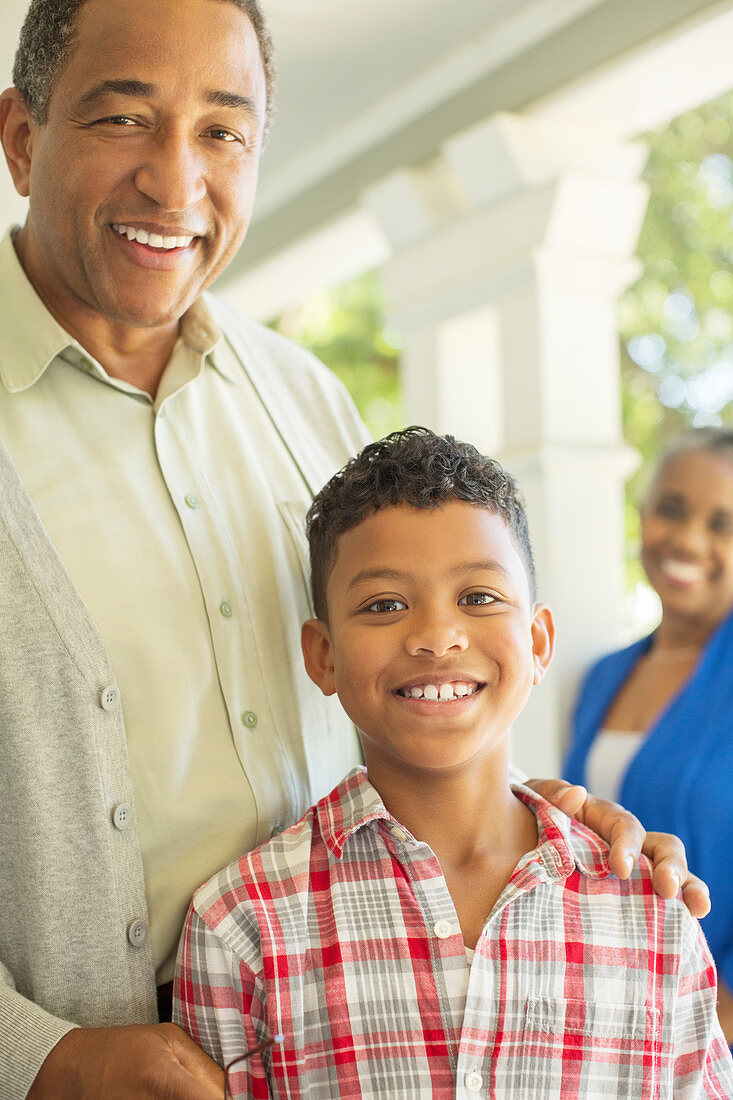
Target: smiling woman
{"points": [[655, 721]]}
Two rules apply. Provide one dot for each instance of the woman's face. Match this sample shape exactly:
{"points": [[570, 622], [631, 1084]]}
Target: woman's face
{"points": [[687, 536]]}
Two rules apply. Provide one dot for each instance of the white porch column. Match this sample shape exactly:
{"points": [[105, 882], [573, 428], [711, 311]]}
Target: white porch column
{"points": [[508, 257]]}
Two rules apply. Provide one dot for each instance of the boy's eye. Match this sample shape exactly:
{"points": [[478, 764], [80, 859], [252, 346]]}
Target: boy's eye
{"points": [[476, 599], [385, 606]]}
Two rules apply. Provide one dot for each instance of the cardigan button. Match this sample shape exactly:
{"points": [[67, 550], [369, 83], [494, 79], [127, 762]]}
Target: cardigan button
{"points": [[138, 933]]}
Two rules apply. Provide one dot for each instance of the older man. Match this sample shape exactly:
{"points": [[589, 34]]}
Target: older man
{"points": [[159, 453]]}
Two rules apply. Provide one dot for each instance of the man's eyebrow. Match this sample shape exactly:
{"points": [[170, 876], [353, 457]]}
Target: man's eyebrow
{"points": [[140, 89], [137, 89], [232, 99]]}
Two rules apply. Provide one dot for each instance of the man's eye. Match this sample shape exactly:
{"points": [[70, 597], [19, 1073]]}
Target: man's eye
{"points": [[476, 599], [223, 135], [117, 120], [385, 606]]}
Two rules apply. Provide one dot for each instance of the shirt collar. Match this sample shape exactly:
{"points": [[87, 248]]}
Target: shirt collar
{"points": [[563, 844], [31, 338]]}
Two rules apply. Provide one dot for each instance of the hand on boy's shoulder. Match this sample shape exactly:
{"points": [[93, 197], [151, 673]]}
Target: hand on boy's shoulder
{"points": [[627, 839]]}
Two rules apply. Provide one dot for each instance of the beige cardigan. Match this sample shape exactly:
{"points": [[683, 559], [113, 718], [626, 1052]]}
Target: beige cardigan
{"points": [[72, 884]]}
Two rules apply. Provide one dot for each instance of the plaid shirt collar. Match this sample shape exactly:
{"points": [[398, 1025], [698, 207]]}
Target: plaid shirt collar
{"points": [[563, 845]]}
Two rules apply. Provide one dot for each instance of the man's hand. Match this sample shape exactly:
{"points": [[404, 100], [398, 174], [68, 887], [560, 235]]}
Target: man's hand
{"points": [[626, 836], [159, 1062]]}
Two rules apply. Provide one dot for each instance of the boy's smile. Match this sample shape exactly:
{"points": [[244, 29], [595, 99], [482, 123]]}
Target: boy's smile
{"points": [[432, 643]]}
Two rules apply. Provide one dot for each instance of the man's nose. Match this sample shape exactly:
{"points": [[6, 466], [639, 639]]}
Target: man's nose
{"points": [[436, 634], [172, 173]]}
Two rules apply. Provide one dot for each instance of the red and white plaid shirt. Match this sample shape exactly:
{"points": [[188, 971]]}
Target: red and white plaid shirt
{"points": [[341, 934]]}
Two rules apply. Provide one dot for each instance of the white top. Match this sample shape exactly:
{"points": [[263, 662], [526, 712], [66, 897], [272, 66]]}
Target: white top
{"points": [[608, 760]]}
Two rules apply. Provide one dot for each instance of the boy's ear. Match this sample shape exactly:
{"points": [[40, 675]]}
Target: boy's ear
{"points": [[543, 640], [16, 134], [315, 641]]}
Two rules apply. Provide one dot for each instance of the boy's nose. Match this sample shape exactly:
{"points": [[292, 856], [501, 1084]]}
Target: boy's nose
{"points": [[436, 636]]}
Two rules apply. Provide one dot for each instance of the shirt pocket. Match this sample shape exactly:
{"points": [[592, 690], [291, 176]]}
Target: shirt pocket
{"points": [[575, 1048]]}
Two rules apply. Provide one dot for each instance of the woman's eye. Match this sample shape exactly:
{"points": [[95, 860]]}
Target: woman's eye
{"points": [[670, 509], [385, 606], [476, 599], [722, 525]]}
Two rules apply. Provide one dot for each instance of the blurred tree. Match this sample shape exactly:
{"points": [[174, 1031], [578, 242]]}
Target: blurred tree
{"points": [[676, 321], [346, 329]]}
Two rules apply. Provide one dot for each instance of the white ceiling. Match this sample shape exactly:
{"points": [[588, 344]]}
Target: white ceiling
{"points": [[363, 86]]}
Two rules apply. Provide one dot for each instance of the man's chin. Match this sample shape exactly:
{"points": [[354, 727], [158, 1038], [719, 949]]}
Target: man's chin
{"points": [[149, 313]]}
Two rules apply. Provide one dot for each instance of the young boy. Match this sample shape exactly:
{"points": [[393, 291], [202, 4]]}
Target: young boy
{"points": [[428, 930]]}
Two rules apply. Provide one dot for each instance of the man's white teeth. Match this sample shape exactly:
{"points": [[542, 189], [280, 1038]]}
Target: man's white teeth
{"points": [[155, 240], [682, 570], [444, 692]]}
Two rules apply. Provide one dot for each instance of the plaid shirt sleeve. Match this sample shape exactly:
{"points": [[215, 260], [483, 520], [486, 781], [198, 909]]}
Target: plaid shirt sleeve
{"points": [[701, 1056], [221, 1005]]}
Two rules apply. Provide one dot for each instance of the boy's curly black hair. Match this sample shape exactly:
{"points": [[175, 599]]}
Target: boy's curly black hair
{"points": [[417, 467]]}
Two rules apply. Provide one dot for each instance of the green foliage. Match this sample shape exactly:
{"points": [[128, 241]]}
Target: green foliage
{"points": [[345, 328], [677, 321]]}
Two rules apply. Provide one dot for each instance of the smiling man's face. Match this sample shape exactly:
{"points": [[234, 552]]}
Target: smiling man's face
{"points": [[143, 178]]}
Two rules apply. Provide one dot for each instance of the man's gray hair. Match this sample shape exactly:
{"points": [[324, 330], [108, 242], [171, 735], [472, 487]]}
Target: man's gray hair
{"points": [[47, 39]]}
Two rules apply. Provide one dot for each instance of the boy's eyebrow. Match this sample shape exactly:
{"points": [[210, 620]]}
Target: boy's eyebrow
{"points": [[373, 575], [488, 565], [140, 89]]}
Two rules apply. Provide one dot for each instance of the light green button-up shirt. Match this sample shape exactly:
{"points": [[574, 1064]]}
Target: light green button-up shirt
{"points": [[179, 520]]}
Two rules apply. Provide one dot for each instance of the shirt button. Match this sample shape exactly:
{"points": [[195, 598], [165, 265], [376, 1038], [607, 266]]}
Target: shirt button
{"points": [[397, 833], [473, 1081], [191, 500], [276, 830], [226, 609], [249, 719], [137, 933], [122, 816], [110, 697], [443, 929]]}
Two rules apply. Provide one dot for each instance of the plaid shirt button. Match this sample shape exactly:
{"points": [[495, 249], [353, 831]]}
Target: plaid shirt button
{"points": [[473, 1081], [443, 929]]}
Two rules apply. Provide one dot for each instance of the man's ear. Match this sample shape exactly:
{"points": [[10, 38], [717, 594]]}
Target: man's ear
{"points": [[16, 134], [543, 640], [318, 655]]}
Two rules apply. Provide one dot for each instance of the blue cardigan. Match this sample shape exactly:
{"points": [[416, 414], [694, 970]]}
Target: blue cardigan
{"points": [[681, 779]]}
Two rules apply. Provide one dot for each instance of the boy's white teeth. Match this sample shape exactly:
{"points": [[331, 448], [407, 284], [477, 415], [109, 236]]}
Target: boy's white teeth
{"points": [[155, 240], [444, 692]]}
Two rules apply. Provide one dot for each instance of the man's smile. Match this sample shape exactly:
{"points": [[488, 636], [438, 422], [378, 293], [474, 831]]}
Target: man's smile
{"points": [[166, 242]]}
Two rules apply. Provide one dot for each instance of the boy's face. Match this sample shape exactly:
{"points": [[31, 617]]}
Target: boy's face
{"points": [[433, 644]]}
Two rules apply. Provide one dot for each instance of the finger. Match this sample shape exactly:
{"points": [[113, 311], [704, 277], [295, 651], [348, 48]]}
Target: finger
{"points": [[194, 1061], [623, 832], [667, 853], [568, 797], [625, 835], [696, 896]]}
